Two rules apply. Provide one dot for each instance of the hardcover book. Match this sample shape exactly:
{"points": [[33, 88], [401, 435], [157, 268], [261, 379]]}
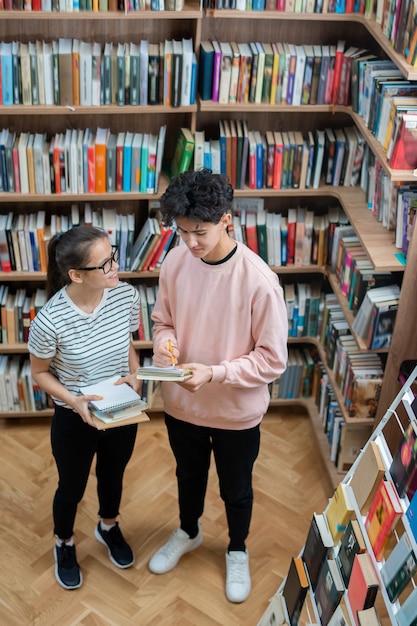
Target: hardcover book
{"points": [[384, 513], [363, 585], [183, 152], [368, 617], [399, 568], [340, 511], [329, 590], [318, 543], [407, 613], [411, 514], [295, 589], [352, 543], [368, 474], [404, 463]]}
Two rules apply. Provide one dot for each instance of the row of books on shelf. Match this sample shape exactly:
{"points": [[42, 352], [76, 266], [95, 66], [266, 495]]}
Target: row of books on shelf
{"points": [[73, 6], [18, 308], [301, 377], [273, 159], [290, 6], [361, 546], [19, 392], [24, 237], [314, 313], [300, 238], [352, 269], [72, 72], [277, 73], [393, 204], [389, 110], [81, 161], [398, 24], [375, 320], [358, 376]]}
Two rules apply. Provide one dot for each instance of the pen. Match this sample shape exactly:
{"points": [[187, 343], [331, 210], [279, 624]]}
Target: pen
{"points": [[171, 352]]}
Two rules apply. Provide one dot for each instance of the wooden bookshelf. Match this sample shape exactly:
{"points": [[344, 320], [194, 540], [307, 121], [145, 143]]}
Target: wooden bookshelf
{"points": [[221, 25]]}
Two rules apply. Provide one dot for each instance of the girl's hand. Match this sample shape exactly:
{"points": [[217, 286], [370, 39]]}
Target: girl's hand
{"points": [[132, 381], [80, 406]]}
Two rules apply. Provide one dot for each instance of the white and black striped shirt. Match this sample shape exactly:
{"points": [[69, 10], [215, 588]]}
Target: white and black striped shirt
{"points": [[86, 347]]}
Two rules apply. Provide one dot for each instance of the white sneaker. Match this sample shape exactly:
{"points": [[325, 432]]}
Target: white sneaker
{"points": [[238, 583], [179, 543]]}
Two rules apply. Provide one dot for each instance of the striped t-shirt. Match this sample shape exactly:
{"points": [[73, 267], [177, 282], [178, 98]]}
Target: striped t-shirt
{"points": [[86, 347]]}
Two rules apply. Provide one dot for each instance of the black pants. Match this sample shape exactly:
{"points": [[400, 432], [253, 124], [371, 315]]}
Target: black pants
{"points": [[235, 452], [74, 444]]}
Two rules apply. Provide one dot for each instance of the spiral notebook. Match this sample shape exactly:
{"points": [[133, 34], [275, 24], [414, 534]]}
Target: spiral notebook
{"points": [[115, 397]]}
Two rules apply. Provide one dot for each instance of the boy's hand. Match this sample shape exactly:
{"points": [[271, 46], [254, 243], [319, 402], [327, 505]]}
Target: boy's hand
{"points": [[165, 354], [202, 374]]}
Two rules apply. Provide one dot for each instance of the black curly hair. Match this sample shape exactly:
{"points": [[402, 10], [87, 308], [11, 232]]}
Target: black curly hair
{"points": [[199, 195]]}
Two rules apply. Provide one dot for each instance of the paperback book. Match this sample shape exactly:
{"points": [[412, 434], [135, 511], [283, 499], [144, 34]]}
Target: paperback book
{"points": [[172, 374]]}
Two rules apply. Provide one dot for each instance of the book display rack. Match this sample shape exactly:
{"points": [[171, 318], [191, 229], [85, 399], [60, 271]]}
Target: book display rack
{"points": [[123, 116], [374, 536]]}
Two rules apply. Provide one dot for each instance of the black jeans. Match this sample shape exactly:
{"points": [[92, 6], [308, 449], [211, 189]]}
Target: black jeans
{"points": [[235, 452], [74, 444]]}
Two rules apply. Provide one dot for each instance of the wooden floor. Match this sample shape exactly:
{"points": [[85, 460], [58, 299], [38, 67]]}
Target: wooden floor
{"points": [[289, 482]]}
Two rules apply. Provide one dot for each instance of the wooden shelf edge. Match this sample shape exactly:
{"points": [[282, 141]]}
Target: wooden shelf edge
{"points": [[106, 109]]}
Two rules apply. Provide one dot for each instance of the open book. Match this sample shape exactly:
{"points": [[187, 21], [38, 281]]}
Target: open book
{"points": [[120, 404], [171, 373]]}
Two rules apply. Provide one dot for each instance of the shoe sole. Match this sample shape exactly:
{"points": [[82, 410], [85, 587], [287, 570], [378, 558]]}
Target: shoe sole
{"points": [[165, 571], [61, 583], [112, 559]]}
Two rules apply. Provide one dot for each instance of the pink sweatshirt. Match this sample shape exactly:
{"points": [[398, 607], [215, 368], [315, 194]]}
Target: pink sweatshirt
{"points": [[231, 317]]}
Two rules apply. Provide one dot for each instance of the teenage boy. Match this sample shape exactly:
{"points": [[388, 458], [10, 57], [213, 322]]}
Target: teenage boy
{"points": [[219, 312]]}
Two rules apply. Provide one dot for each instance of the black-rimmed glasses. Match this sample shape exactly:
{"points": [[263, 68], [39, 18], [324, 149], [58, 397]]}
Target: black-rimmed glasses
{"points": [[107, 265]]}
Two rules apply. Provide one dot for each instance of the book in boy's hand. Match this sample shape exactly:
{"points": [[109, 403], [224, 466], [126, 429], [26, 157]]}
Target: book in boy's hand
{"points": [[171, 373], [398, 568]]}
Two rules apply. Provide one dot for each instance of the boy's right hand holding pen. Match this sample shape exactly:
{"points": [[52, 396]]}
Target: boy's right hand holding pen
{"points": [[166, 354]]}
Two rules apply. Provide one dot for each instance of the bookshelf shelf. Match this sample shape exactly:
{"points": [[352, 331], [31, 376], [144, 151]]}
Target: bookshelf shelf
{"points": [[108, 109], [223, 25]]}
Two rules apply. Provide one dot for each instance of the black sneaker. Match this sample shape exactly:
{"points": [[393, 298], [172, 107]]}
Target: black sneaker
{"points": [[67, 570], [120, 553]]}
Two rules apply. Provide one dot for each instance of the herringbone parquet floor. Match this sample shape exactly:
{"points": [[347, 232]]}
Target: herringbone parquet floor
{"points": [[289, 484]]}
